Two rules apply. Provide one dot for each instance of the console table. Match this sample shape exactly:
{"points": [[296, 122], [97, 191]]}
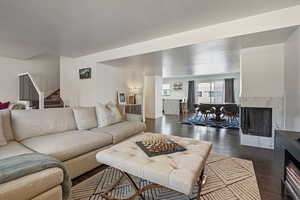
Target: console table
{"points": [[287, 149], [132, 111]]}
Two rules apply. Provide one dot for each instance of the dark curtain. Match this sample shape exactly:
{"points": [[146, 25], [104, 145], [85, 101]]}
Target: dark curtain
{"points": [[244, 120], [191, 96], [229, 90]]}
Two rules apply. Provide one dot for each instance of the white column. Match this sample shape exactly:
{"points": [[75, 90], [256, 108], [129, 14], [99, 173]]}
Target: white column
{"points": [[153, 98]]}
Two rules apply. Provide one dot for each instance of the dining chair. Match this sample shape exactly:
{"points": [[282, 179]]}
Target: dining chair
{"points": [[205, 110], [231, 111]]}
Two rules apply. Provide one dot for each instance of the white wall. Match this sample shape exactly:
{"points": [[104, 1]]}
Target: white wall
{"points": [[263, 22], [262, 71], [75, 92], [105, 82], [44, 68], [134, 76], [87, 92], [153, 100], [292, 82], [103, 86], [182, 94], [108, 81]]}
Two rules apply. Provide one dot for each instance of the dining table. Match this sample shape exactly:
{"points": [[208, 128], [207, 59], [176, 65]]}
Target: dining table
{"points": [[217, 109]]}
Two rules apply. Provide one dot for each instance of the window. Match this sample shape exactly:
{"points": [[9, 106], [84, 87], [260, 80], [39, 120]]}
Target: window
{"points": [[217, 92], [210, 92], [166, 90], [203, 93]]}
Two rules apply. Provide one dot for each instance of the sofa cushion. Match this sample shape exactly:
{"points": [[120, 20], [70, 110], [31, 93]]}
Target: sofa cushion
{"points": [[4, 105], [6, 124], [53, 194], [104, 115], [75, 166], [2, 136], [30, 186], [122, 130], [31, 123], [85, 117], [13, 149], [67, 145], [116, 115]]}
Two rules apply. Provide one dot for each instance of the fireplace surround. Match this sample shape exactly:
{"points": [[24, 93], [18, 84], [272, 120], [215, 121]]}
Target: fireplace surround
{"points": [[270, 105], [256, 121]]}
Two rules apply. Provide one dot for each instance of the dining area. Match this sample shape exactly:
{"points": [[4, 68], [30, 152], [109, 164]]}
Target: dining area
{"points": [[219, 115], [217, 112], [210, 102]]}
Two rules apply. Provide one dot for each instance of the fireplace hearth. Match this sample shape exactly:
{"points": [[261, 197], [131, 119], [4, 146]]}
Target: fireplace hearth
{"points": [[256, 121]]}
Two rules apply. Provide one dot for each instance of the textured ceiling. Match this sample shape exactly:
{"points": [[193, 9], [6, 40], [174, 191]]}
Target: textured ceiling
{"points": [[79, 27]]}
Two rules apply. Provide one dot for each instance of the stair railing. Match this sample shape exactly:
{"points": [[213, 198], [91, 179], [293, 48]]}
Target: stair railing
{"points": [[41, 94]]}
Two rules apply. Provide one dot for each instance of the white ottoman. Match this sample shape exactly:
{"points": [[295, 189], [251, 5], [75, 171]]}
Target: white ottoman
{"points": [[179, 171]]}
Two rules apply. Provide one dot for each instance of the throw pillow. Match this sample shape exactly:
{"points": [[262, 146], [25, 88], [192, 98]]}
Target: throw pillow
{"points": [[117, 117], [4, 105], [85, 117], [2, 136], [104, 115]]}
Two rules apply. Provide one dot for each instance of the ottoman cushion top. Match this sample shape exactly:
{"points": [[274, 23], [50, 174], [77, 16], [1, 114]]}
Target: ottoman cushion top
{"points": [[178, 171]]}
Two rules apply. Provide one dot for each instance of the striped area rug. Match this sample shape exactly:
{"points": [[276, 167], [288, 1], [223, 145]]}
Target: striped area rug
{"points": [[227, 179]]}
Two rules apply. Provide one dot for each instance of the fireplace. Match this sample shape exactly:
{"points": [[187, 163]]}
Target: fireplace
{"points": [[259, 131], [256, 121]]}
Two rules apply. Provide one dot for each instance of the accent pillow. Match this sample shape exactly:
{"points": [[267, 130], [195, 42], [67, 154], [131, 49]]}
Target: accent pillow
{"points": [[117, 117], [2, 136], [104, 115], [85, 117], [4, 105]]}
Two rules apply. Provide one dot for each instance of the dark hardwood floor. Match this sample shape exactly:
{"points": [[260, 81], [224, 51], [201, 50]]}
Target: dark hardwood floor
{"points": [[225, 142]]}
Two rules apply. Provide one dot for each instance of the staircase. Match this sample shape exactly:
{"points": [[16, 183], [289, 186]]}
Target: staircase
{"points": [[54, 100], [30, 91]]}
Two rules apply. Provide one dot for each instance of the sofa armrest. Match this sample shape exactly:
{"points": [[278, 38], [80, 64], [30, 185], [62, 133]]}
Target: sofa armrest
{"points": [[31, 186]]}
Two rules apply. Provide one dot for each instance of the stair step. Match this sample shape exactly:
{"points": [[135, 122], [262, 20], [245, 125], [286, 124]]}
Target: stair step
{"points": [[53, 95], [54, 100], [54, 106]]}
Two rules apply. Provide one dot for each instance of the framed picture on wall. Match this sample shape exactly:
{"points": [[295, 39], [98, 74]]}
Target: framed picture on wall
{"points": [[178, 86], [122, 97], [85, 73]]}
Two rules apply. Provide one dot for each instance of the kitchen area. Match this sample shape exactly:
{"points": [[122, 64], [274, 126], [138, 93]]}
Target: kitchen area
{"points": [[174, 98], [207, 89]]}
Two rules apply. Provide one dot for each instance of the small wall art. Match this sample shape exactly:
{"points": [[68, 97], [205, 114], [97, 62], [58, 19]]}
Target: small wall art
{"points": [[85, 73]]}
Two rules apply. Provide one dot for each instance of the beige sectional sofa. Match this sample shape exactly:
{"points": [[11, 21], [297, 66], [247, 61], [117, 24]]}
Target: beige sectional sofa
{"points": [[54, 132]]}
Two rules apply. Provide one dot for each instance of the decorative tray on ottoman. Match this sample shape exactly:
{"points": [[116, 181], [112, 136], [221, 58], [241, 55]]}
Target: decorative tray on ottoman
{"points": [[159, 145]]}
